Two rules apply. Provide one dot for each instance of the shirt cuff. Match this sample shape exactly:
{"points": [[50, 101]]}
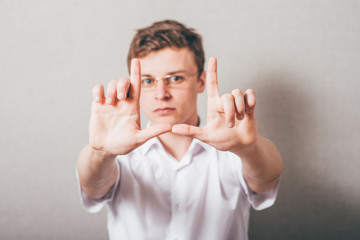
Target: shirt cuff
{"points": [[259, 201], [94, 205]]}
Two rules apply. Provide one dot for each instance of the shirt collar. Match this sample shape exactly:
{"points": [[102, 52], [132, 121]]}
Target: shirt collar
{"points": [[195, 146], [153, 142]]}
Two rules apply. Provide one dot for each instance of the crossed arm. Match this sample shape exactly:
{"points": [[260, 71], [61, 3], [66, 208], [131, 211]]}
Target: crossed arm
{"points": [[231, 126]]}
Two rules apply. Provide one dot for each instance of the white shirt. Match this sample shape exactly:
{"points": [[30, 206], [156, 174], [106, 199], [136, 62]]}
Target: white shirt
{"points": [[202, 196]]}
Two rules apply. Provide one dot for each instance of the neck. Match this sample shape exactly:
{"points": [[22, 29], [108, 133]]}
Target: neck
{"points": [[175, 144]]}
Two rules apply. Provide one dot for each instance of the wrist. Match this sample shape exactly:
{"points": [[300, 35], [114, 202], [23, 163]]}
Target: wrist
{"points": [[100, 153], [249, 149]]}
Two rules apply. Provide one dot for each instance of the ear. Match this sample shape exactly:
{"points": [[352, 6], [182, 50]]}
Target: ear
{"points": [[202, 82]]}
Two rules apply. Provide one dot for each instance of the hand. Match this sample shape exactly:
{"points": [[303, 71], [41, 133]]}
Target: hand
{"points": [[231, 122], [115, 120]]}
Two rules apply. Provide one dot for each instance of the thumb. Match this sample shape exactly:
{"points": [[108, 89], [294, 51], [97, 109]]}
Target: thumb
{"points": [[190, 131], [152, 131]]}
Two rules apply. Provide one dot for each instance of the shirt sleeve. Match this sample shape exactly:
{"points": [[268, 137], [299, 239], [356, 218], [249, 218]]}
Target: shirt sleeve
{"points": [[258, 201], [94, 205]]}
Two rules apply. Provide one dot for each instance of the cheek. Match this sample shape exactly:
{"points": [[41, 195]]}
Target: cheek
{"points": [[189, 100], [145, 103]]}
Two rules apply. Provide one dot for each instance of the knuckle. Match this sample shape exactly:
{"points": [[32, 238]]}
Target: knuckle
{"points": [[96, 89], [124, 80], [111, 87], [212, 83], [110, 93], [122, 83], [120, 86], [240, 107], [227, 97], [236, 92], [112, 83], [250, 97], [250, 92]]}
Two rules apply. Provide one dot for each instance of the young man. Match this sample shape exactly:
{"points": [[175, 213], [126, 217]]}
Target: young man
{"points": [[181, 177]]}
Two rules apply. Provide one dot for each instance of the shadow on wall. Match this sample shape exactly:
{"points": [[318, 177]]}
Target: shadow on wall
{"points": [[308, 205]]}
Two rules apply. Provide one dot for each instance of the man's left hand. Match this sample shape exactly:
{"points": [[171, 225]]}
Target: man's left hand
{"points": [[231, 123]]}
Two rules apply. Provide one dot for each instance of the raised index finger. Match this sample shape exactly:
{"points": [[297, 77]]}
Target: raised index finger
{"points": [[135, 79], [211, 79]]}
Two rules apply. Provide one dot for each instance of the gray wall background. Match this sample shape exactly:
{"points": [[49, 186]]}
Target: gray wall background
{"points": [[302, 58]]}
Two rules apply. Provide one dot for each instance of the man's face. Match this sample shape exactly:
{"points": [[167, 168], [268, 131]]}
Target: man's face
{"points": [[165, 104]]}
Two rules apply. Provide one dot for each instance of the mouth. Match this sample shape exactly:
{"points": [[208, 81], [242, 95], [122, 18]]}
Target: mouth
{"points": [[164, 110]]}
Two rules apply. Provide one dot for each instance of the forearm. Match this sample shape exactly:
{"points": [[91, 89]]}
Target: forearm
{"points": [[97, 171], [262, 165]]}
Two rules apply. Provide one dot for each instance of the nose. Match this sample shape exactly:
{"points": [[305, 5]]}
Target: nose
{"points": [[161, 91]]}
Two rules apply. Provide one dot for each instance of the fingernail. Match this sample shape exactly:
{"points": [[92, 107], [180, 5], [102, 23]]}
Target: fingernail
{"points": [[231, 124], [120, 96], [108, 100], [97, 99], [241, 117]]}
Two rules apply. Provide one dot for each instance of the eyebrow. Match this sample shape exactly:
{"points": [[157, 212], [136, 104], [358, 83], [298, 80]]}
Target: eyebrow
{"points": [[169, 73]]}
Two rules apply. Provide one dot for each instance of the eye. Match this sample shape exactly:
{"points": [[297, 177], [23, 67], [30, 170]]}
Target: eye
{"points": [[176, 79], [147, 81]]}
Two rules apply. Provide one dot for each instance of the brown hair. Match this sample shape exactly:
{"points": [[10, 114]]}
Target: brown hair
{"points": [[167, 33]]}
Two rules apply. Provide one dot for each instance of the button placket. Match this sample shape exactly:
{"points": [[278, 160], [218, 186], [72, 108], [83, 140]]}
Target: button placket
{"points": [[177, 207]]}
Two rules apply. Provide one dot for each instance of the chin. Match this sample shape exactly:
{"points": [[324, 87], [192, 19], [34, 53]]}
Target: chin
{"points": [[165, 119]]}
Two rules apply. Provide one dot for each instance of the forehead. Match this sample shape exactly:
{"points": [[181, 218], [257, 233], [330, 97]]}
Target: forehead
{"points": [[168, 60]]}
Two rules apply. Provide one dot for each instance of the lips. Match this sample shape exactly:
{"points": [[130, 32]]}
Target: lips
{"points": [[164, 110]]}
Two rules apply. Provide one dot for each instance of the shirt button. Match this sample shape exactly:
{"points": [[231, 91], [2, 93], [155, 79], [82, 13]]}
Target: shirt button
{"points": [[179, 207]]}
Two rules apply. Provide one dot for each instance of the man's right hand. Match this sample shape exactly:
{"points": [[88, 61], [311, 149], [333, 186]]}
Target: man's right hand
{"points": [[115, 118]]}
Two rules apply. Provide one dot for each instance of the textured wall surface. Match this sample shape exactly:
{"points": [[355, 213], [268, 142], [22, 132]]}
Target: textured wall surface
{"points": [[302, 58]]}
